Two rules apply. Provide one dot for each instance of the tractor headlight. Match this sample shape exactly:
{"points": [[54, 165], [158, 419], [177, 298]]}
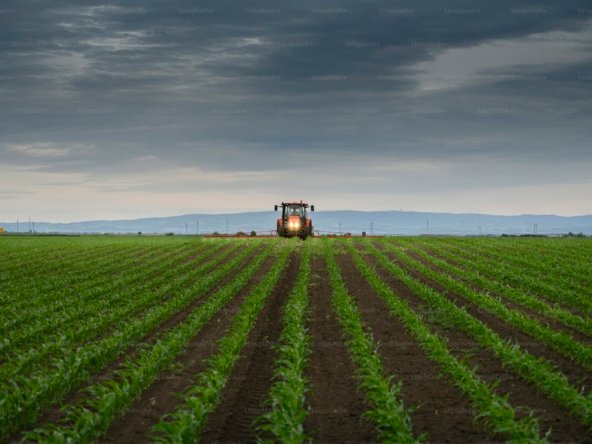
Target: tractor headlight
{"points": [[294, 225]]}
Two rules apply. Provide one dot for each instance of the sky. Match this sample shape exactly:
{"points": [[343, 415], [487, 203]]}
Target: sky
{"points": [[153, 108]]}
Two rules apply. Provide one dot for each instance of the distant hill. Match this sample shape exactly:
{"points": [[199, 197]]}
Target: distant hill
{"points": [[382, 222]]}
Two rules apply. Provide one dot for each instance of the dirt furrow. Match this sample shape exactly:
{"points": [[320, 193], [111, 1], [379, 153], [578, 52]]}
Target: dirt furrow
{"points": [[577, 375], [443, 412], [164, 395], [244, 396], [522, 393], [337, 405], [56, 414], [513, 305], [541, 295]]}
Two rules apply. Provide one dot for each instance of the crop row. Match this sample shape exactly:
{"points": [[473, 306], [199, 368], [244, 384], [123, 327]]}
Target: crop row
{"points": [[29, 395], [40, 289], [472, 272], [553, 253], [135, 299], [558, 340], [88, 420], [535, 267], [287, 396], [186, 423], [71, 310], [541, 373], [559, 291], [48, 257], [388, 413], [497, 412]]}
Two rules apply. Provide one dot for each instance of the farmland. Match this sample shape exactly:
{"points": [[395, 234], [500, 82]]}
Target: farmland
{"points": [[178, 339]]}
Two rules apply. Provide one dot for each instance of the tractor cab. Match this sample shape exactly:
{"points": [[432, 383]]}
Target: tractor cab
{"points": [[294, 221]]}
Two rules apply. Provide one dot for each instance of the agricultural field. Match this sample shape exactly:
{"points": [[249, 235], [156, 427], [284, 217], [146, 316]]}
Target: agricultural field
{"points": [[186, 339]]}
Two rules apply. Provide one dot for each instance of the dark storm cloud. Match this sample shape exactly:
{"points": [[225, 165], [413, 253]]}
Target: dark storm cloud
{"points": [[228, 86]]}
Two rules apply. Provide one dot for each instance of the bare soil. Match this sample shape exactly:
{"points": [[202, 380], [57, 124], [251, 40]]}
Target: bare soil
{"points": [[244, 396], [106, 373], [545, 320], [336, 400], [522, 394], [165, 394], [575, 372], [442, 411], [336, 404]]}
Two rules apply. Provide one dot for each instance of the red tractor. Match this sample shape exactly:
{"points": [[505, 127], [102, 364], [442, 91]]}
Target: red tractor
{"points": [[294, 220]]}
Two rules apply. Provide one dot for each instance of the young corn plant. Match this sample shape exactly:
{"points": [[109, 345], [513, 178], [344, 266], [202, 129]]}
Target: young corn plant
{"points": [[561, 289], [558, 340], [187, 422], [287, 396], [536, 370], [99, 308], [388, 413], [90, 419], [21, 402], [466, 274], [27, 364], [497, 413]]}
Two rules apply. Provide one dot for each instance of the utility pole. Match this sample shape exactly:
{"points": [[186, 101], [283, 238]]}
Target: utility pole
{"points": [[197, 227], [33, 226], [536, 229], [428, 226], [227, 226], [185, 227]]}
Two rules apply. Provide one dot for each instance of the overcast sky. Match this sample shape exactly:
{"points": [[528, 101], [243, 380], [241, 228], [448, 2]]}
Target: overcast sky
{"points": [[165, 108]]}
